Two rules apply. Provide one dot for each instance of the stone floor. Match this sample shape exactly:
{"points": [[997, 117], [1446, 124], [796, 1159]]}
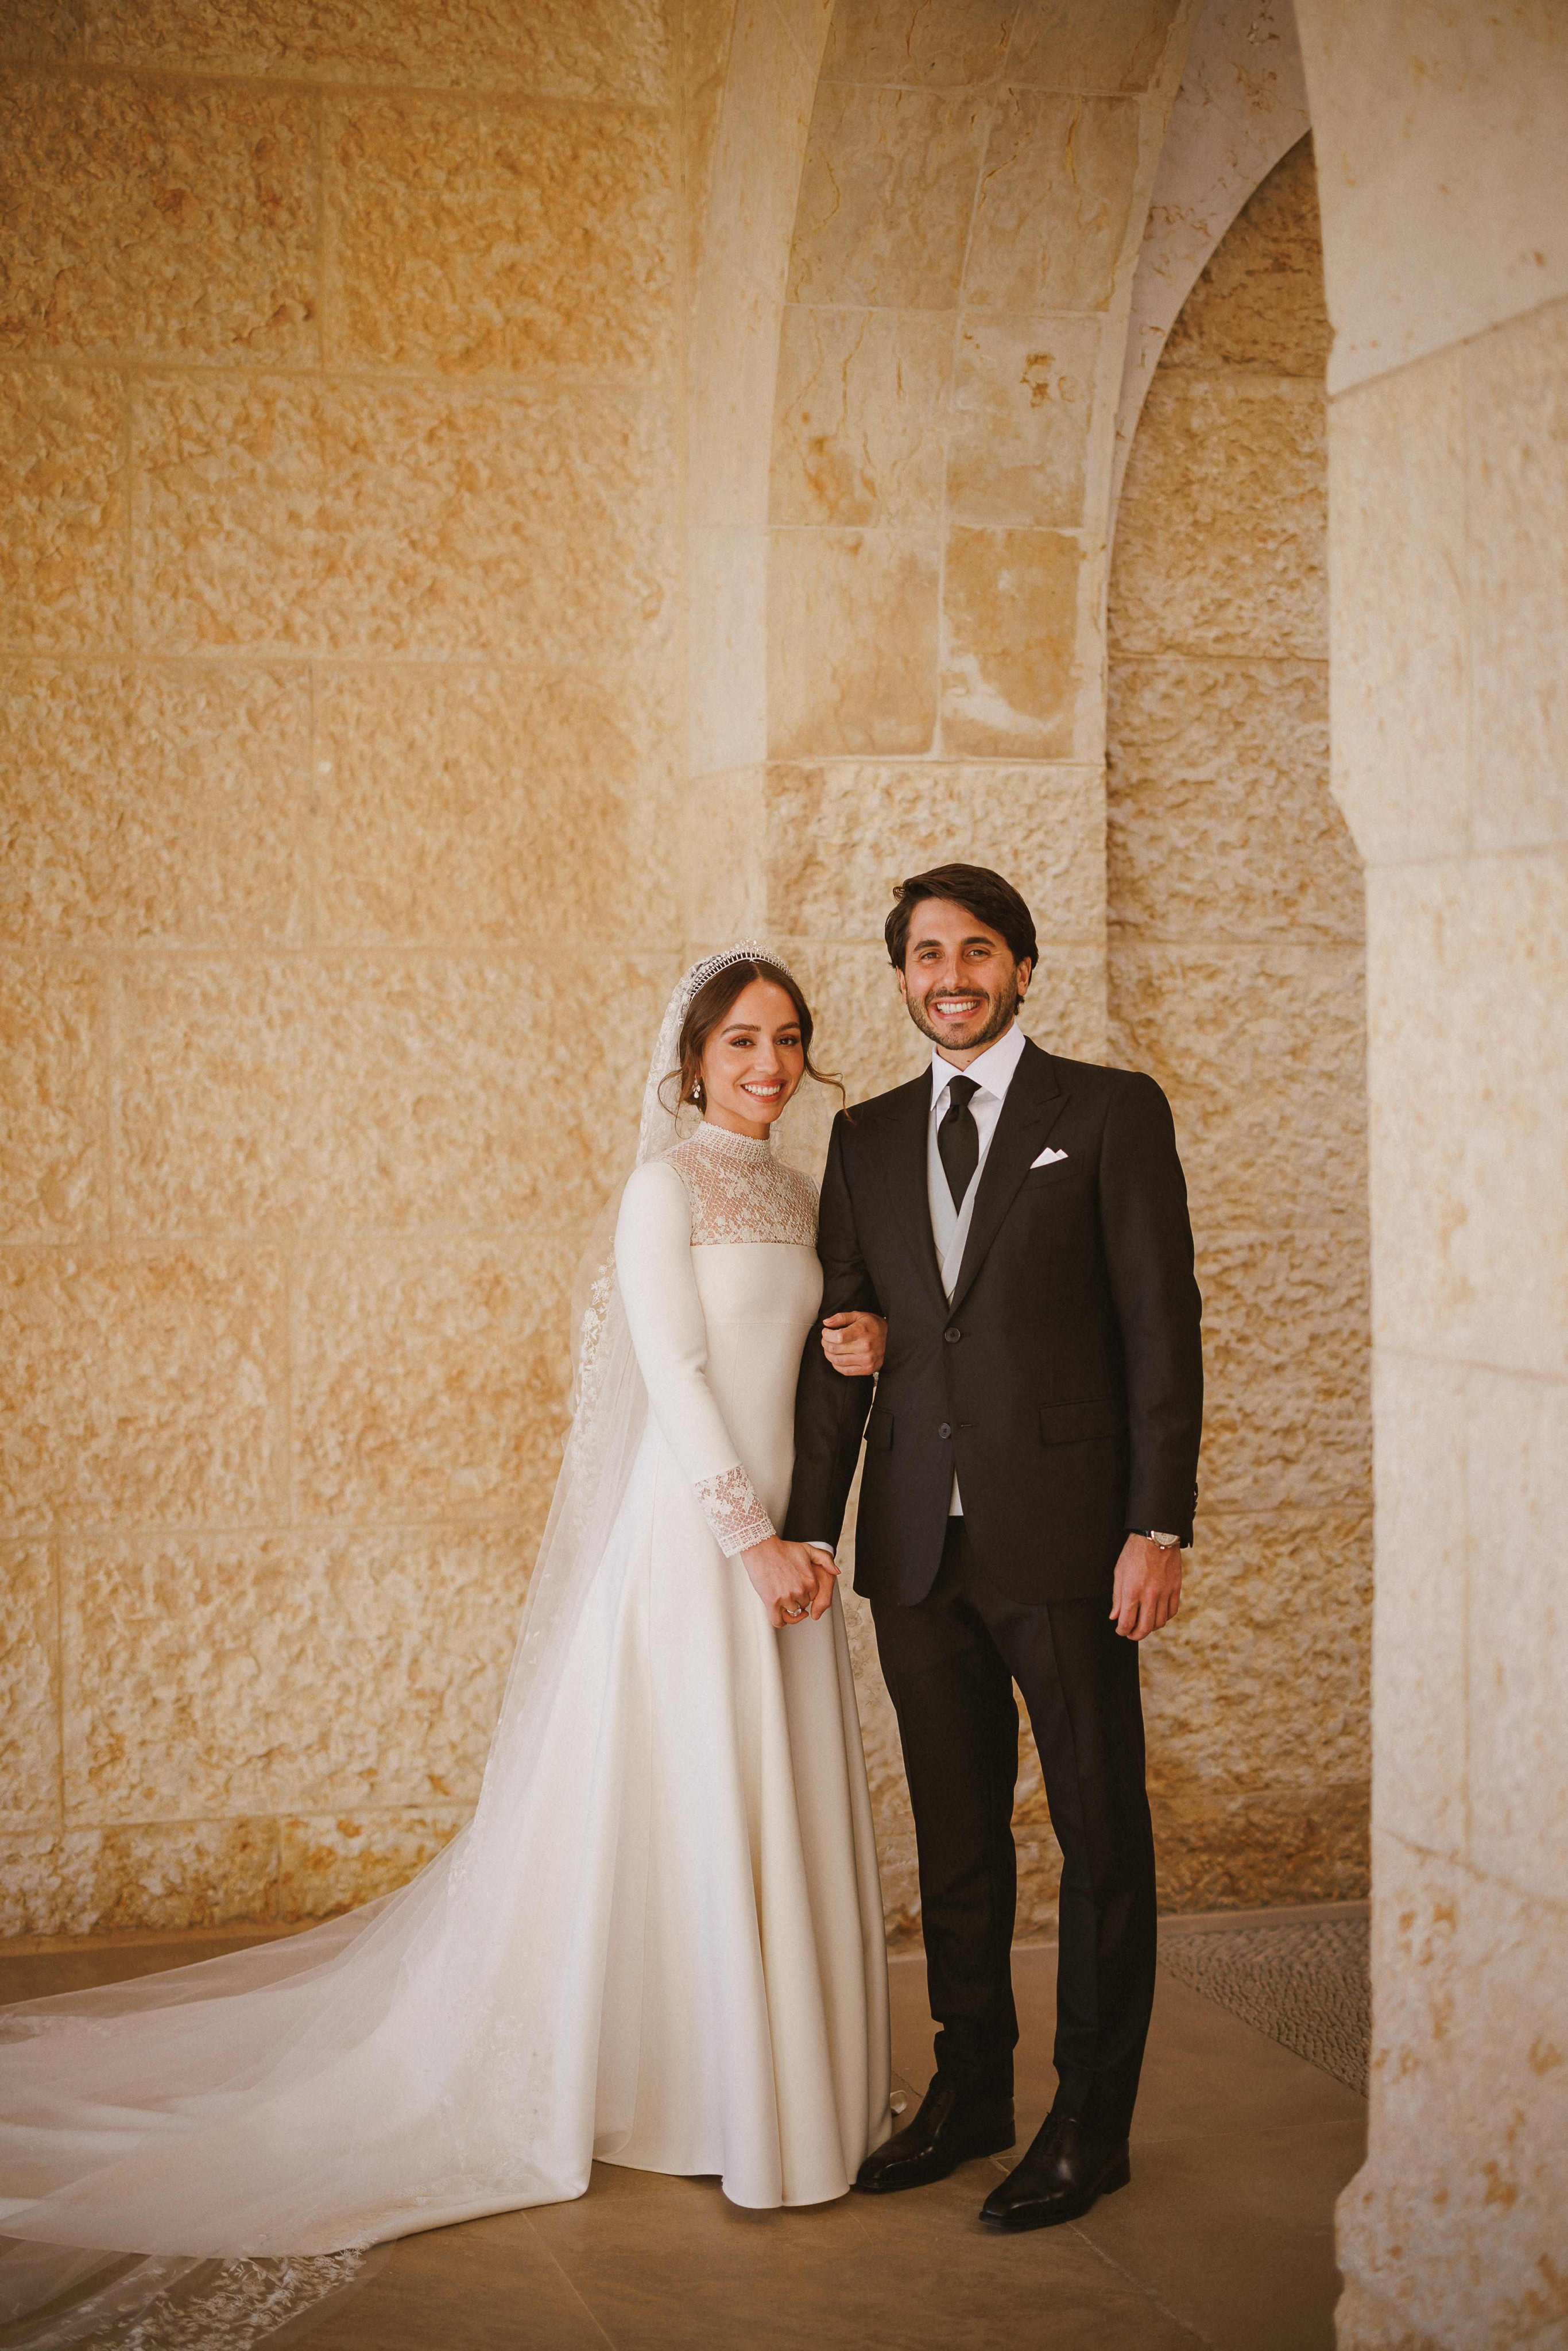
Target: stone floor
{"points": [[1224, 2240]]}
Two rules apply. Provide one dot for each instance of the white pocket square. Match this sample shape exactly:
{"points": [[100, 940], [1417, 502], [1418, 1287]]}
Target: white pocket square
{"points": [[1047, 1157]]}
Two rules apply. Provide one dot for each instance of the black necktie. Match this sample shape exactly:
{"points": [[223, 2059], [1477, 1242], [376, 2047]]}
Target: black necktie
{"points": [[959, 1138]]}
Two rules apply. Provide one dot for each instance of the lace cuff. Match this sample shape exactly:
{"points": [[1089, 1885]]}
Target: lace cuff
{"points": [[736, 1517]]}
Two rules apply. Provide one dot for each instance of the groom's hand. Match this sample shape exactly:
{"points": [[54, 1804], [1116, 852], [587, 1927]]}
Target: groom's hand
{"points": [[855, 1343], [794, 1581], [1147, 1592]]}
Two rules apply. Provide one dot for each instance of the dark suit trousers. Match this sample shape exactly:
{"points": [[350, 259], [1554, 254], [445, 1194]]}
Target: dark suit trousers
{"points": [[950, 1662]]}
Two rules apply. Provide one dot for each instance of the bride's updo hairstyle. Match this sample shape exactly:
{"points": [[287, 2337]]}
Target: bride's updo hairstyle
{"points": [[708, 1008]]}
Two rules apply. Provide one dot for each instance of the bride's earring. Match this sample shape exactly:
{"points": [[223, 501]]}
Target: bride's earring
{"points": [[697, 1093]]}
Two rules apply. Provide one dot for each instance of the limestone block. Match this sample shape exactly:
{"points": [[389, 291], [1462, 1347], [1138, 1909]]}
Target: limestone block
{"points": [[1286, 1412], [1517, 536], [886, 196], [1053, 205], [728, 647], [840, 837], [1010, 602], [337, 1862], [64, 573], [733, 362], [552, 48], [145, 1387], [1220, 541], [910, 43], [158, 222], [430, 1377], [1260, 301], [467, 803], [29, 1689], [1262, 1051], [1262, 1684], [45, 29], [1023, 392], [1399, 678], [1468, 1040], [859, 426], [852, 642], [764, 122], [1515, 1440], [1219, 820], [1252, 1850], [165, 802], [54, 1100], [508, 239], [1418, 1724], [1115, 46], [352, 516], [93, 1881], [379, 1092], [211, 1675], [722, 879], [1467, 2031]]}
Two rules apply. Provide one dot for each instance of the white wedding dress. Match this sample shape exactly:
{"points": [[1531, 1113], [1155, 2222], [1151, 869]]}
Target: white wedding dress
{"points": [[659, 1941]]}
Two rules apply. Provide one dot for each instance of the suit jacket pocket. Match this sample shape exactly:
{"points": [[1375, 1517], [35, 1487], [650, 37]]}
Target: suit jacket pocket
{"points": [[879, 1430], [1074, 1423]]}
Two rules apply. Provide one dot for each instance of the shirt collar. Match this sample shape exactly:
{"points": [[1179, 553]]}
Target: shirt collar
{"points": [[993, 1069]]}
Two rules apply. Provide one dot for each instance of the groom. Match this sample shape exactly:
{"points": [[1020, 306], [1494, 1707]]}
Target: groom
{"points": [[1030, 1468]]}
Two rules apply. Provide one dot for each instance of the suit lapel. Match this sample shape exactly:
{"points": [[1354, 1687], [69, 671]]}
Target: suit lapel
{"points": [[1035, 1101], [903, 1162]]}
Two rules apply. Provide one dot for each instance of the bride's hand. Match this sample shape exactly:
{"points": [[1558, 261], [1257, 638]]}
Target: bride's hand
{"points": [[855, 1343], [792, 1580]]}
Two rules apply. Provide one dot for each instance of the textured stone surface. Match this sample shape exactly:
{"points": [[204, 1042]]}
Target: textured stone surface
{"points": [[859, 426], [1054, 204], [1470, 2107], [29, 1687], [1023, 390], [429, 1381], [512, 239], [1010, 676], [909, 42], [158, 222], [374, 1092], [886, 198], [215, 1676], [1221, 538], [555, 48], [1260, 301], [840, 837], [1262, 1849], [1287, 1408], [64, 572], [142, 1387], [464, 802], [54, 1100], [162, 803], [293, 513], [1117, 45], [332, 1862], [852, 642], [93, 1881], [45, 29], [1219, 821]]}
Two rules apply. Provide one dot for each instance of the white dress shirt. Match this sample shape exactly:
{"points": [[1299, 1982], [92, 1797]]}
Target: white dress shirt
{"points": [[992, 1073]]}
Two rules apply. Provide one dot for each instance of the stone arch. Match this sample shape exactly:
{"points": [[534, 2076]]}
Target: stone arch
{"points": [[1235, 954]]}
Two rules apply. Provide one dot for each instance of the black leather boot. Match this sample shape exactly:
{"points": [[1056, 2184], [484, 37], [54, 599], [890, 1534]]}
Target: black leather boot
{"points": [[955, 2124], [1059, 2179]]}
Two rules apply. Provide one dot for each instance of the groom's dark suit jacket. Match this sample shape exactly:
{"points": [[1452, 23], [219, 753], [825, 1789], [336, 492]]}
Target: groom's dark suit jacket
{"points": [[1064, 1381]]}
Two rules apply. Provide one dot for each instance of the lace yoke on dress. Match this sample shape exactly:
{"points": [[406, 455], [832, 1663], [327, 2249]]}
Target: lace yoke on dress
{"points": [[740, 1191]]}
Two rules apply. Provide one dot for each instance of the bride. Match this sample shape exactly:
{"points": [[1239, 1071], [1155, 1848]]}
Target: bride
{"points": [[659, 1940]]}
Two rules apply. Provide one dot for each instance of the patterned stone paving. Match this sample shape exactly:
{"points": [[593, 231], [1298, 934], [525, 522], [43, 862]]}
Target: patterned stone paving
{"points": [[1308, 1986]]}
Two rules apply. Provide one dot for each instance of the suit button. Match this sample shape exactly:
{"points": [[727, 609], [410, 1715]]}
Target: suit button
{"points": [[952, 1334], [945, 1430]]}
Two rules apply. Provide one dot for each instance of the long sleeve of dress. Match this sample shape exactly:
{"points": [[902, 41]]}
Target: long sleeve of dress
{"points": [[664, 1310]]}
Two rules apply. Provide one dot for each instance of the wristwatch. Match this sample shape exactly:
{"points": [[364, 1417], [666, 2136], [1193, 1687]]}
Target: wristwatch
{"points": [[1152, 1534]]}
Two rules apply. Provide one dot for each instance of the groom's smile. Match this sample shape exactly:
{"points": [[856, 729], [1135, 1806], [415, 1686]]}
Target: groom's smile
{"points": [[959, 979]]}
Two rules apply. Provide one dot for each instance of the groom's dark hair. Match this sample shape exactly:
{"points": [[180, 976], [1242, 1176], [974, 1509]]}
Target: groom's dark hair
{"points": [[979, 891]]}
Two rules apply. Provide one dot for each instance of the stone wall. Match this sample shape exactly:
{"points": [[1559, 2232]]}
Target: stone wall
{"points": [[338, 605], [1235, 926]]}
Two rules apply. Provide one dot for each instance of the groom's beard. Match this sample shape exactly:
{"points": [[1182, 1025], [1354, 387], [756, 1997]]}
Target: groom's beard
{"points": [[985, 1024]]}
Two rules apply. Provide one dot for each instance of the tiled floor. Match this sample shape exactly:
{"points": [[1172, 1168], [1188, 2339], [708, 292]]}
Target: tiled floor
{"points": [[1225, 2238]]}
